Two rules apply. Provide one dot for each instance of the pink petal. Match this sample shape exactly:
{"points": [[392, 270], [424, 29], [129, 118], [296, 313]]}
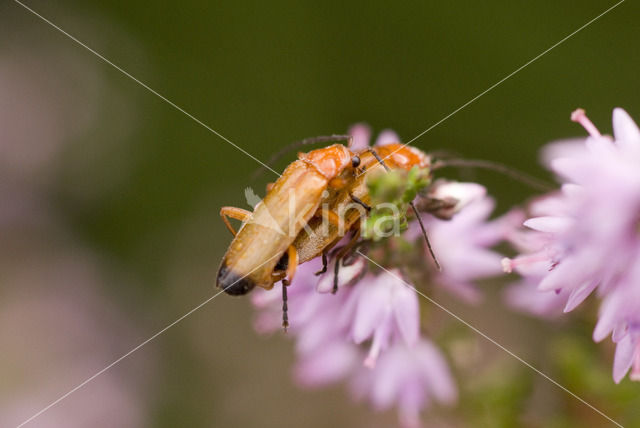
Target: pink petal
{"points": [[406, 310], [387, 137], [370, 312], [549, 224], [464, 193], [437, 373], [619, 332], [327, 365], [471, 263], [526, 297], [572, 169], [563, 149], [361, 134], [380, 341], [578, 295], [606, 323], [567, 274], [625, 130], [346, 275], [388, 377], [623, 358]]}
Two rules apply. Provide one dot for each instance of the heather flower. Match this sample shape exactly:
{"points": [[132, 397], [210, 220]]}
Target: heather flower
{"points": [[361, 134], [586, 236], [409, 378], [620, 317], [386, 311], [400, 368], [368, 333], [525, 296], [462, 244]]}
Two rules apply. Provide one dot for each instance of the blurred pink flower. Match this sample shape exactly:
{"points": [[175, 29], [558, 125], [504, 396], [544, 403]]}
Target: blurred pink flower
{"points": [[57, 328], [586, 237], [620, 317], [400, 368], [462, 244], [409, 378], [386, 311], [524, 294], [361, 133]]}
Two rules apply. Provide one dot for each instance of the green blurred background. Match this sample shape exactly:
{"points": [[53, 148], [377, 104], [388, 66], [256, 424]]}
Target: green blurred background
{"points": [[139, 184]]}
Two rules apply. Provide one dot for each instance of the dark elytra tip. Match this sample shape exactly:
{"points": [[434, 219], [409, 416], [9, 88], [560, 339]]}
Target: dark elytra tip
{"points": [[232, 283], [283, 263]]}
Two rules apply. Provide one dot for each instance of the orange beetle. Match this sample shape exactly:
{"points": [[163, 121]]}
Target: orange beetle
{"points": [[267, 233], [318, 237], [349, 205]]}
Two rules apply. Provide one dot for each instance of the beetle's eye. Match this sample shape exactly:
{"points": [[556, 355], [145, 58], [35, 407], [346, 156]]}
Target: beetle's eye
{"points": [[355, 161]]}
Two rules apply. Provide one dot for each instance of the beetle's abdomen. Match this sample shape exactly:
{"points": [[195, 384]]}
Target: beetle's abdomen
{"points": [[276, 221]]}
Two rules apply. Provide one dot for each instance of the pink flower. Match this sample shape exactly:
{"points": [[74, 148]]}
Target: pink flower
{"points": [[462, 244], [361, 134], [586, 236], [409, 378], [533, 266], [627, 356], [524, 296], [620, 317], [384, 310]]}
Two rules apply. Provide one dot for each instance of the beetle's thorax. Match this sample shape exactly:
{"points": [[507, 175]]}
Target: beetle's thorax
{"points": [[329, 161]]}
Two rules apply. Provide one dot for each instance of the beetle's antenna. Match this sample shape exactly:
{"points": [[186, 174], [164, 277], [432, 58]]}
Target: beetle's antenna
{"points": [[426, 237], [307, 141], [379, 159], [517, 175]]}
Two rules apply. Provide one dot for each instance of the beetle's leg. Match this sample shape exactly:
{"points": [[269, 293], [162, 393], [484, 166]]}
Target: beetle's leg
{"points": [[337, 183], [236, 213], [339, 258], [331, 217], [291, 271], [349, 249], [293, 262], [324, 264], [285, 308], [359, 202], [336, 270], [278, 276]]}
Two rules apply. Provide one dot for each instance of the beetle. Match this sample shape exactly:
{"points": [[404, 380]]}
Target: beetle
{"points": [[350, 204], [271, 242], [267, 232], [313, 240]]}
